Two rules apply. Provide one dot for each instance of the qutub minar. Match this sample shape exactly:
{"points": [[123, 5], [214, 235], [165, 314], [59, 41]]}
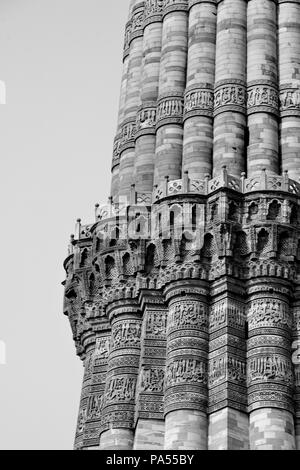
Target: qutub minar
{"points": [[184, 294]]}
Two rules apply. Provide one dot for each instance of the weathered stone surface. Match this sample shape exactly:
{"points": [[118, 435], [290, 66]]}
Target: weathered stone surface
{"points": [[183, 295]]}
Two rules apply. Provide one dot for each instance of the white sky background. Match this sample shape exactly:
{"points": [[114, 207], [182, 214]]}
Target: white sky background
{"points": [[61, 61]]}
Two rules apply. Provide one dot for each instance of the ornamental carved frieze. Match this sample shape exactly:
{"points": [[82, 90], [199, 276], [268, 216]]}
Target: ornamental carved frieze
{"points": [[188, 315], [170, 110], [153, 6], [152, 380], [153, 11], [269, 312], [199, 102], [127, 38], [146, 120], [127, 137], [156, 325], [81, 420], [184, 400], [262, 98], [225, 313], [174, 5], [274, 341], [186, 371], [290, 102], [102, 348], [137, 20], [117, 419], [151, 408], [296, 322], [225, 368], [272, 367], [126, 334], [120, 389], [230, 96], [270, 397], [134, 28], [95, 407], [90, 309], [116, 151]]}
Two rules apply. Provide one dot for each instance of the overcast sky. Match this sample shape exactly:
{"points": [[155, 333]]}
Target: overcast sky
{"points": [[61, 61]]}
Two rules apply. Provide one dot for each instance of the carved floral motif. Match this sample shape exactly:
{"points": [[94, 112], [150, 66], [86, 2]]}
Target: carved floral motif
{"points": [[153, 7]]}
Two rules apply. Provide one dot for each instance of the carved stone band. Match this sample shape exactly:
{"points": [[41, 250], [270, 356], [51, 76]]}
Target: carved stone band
{"points": [[268, 397], [170, 111], [137, 22], [153, 11], [127, 136], [289, 102], [134, 29], [174, 5], [116, 151], [199, 102], [227, 367], [122, 373], [230, 97], [263, 98], [127, 39], [146, 120]]}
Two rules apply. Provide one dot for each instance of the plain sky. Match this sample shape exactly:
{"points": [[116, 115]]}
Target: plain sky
{"points": [[61, 61]]}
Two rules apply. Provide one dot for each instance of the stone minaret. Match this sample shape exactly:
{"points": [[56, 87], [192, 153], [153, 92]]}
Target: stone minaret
{"points": [[184, 294]]}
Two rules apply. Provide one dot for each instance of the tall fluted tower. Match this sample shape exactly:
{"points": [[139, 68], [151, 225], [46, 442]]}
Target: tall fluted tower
{"points": [[184, 294]]}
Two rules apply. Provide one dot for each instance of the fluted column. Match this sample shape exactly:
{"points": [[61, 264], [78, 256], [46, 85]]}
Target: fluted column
{"points": [[262, 87], [186, 391], [132, 102], [269, 367], [199, 95], [230, 91], [96, 390], [289, 85], [115, 178], [228, 417], [84, 400], [115, 171], [117, 425], [150, 425], [169, 137], [296, 363], [146, 118]]}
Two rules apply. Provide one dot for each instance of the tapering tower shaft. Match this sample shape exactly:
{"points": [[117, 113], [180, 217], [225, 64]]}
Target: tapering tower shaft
{"points": [[183, 295]]}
